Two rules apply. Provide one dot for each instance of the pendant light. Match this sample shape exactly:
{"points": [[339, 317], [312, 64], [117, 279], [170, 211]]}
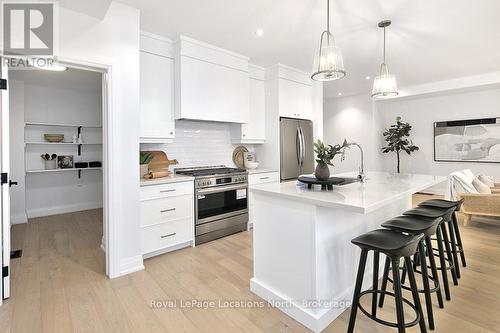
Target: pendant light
{"points": [[328, 62], [385, 84]]}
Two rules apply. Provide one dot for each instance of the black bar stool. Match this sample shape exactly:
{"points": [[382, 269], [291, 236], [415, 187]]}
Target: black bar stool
{"points": [[394, 245], [415, 225], [455, 237], [442, 238]]}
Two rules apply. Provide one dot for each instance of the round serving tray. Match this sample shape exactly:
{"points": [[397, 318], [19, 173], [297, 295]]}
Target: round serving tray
{"points": [[325, 184]]}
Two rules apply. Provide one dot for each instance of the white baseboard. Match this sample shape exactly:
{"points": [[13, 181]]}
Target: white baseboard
{"points": [[55, 210], [131, 265], [168, 249], [18, 219]]}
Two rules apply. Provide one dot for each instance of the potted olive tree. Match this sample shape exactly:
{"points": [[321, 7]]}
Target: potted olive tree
{"points": [[324, 157], [398, 140]]}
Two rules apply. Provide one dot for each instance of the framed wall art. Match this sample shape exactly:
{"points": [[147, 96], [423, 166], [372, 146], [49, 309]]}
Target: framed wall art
{"points": [[474, 140]]}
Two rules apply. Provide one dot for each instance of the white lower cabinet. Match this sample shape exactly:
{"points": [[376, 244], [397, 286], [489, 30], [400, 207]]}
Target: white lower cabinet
{"points": [[256, 179], [163, 237], [166, 217], [261, 178]]}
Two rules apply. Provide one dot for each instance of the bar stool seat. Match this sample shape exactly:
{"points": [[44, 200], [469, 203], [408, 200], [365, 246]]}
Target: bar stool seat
{"points": [[391, 243], [441, 203], [413, 224], [432, 212]]}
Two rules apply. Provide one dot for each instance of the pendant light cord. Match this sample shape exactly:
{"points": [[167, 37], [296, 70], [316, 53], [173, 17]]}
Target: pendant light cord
{"points": [[384, 45], [328, 15]]}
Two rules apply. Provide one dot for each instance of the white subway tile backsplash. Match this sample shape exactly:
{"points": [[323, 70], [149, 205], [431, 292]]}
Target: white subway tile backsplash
{"points": [[199, 143]]}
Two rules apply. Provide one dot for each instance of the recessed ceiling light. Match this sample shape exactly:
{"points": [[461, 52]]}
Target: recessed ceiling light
{"points": [[340, 94], [259, 32], [368, 77]]}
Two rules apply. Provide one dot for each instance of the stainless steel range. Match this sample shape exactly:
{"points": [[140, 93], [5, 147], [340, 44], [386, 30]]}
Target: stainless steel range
{"points": [[221, 201]]}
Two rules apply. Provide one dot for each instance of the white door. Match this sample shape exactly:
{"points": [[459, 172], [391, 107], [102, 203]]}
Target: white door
{"points": [[5, 200]]}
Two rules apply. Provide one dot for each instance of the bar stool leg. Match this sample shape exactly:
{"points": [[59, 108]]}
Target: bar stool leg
{"points": [[442, 263], [425, 280], [459, 238], [357, 290], [434, 272], [403, 273], [384, 281], [398, 293], [416, 298], [376, 259], [454, 247], [449, 254]]}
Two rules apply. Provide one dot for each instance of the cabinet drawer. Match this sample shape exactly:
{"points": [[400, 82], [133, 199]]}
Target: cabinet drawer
{"points": [[261, 178], [164, 235], [166, 190], [163, 210]]}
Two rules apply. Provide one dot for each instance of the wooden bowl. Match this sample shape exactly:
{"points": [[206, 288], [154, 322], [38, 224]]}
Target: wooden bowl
{"points": [[54, 137]]}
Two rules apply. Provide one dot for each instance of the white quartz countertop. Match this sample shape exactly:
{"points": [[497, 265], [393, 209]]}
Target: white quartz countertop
{"points": [[172, 178], [380, 189]]}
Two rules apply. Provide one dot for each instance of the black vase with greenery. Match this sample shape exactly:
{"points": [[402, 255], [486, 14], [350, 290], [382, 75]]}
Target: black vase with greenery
{"points": [[324, 157], [398, 140]]}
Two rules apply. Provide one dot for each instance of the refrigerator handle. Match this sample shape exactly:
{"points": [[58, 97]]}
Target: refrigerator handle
{"points": [[302, 150], [298, 146]]}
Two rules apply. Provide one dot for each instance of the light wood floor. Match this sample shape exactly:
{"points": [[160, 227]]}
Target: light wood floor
{"points": [[59, 286]]}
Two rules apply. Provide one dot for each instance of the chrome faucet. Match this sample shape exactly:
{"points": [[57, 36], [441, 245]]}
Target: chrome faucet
{"points": [[361, 175]]}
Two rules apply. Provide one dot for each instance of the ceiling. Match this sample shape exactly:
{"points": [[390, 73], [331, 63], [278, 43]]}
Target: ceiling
{"points": [[429, 40], [71, 79]]}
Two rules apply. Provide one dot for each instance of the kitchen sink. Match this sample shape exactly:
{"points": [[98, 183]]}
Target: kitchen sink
{"points": [[349, 180]]}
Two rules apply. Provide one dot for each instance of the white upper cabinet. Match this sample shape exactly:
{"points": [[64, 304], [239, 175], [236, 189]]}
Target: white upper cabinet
{"points": [[211, 83], [157, 123], [295, 99], [253, 132], [295, 92]]}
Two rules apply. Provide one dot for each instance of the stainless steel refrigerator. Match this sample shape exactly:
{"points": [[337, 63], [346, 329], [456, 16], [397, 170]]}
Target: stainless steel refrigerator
{"points": [[296, 148]]}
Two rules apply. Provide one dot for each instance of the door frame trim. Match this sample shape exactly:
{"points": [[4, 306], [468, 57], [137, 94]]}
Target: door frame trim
{"points": [[107, 67]]}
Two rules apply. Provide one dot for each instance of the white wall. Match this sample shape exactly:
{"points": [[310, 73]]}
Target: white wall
{"points": [[17, 193], [359, 118], [199, 143], [422, 112], [115, 40], [355, 119]]}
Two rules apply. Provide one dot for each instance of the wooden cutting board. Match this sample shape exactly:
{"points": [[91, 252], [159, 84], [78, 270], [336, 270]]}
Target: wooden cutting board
{"points": [[160, 162]]}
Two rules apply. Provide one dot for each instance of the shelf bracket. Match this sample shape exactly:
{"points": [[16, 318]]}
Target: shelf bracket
{"points": [[80, 145]]}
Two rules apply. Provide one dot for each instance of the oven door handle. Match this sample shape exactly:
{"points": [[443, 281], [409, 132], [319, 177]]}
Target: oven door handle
{"points": [[222, 189]]}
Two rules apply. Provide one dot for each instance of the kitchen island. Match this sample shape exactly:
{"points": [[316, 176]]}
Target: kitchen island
{"points": [[304, 262]]}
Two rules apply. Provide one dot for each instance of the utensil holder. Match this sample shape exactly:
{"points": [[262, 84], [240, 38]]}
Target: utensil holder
{"points": [[50, 164]]}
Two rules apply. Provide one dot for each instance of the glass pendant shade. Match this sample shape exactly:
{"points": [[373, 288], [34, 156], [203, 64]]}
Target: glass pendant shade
{"points": [[385, 84], [328, 63]]}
